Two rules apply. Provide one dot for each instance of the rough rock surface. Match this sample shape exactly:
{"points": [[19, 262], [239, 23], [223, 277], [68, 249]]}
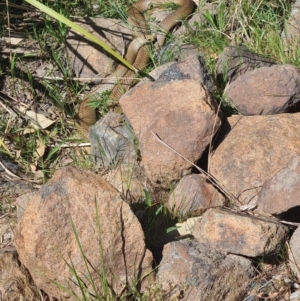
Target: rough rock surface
{"points": [[112, 141], [89, 60], [193, 195], [182, 113], [193, 67], [113, 147], [255, 149], [294, 253], [290, 34], [15, 281], [267, 90], [196, 272], [235, 61], [239, 233], [111, 237], [281, 193]]}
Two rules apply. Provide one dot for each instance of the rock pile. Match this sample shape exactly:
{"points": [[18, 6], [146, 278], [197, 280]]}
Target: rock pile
{"points": [[247, 200]]}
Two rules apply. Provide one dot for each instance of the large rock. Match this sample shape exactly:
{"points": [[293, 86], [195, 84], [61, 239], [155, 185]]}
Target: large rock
{"points": [[192, 271], [281, 194], [182, 113], [110, 235], [267, 90], [239, 233], [255, 149]]}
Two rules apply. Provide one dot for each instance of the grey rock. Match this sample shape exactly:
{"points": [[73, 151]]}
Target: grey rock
{"points": [[236, 61], [197, 272], [112, 141]]}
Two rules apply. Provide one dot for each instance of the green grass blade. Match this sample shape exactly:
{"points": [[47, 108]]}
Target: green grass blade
{"points": [[80, 30]]}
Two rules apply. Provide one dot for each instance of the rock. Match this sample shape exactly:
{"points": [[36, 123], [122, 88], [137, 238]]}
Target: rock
{"points": [[182, 113], [110, 235], [254, 150], [290, 34], [193, 195], [193, 67], [294, 253], [112, 141], [267, 90], [194, 271], [88, 59], [15, 281], [236, 61], [281, 193], [271, 287], [113, 147], [239, 233]]}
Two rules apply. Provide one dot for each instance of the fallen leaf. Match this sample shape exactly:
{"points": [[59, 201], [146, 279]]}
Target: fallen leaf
{"points": [[13, 41], [38, 121], [40, 148]]}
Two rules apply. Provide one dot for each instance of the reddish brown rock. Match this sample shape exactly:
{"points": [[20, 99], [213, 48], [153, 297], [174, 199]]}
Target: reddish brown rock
{"points": [[294, 253], [111, 237], [196, 272], [88, 59], [282, 192], [182, 113], [239, 233], [267, 90], [254, 148], [193, 195]]}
